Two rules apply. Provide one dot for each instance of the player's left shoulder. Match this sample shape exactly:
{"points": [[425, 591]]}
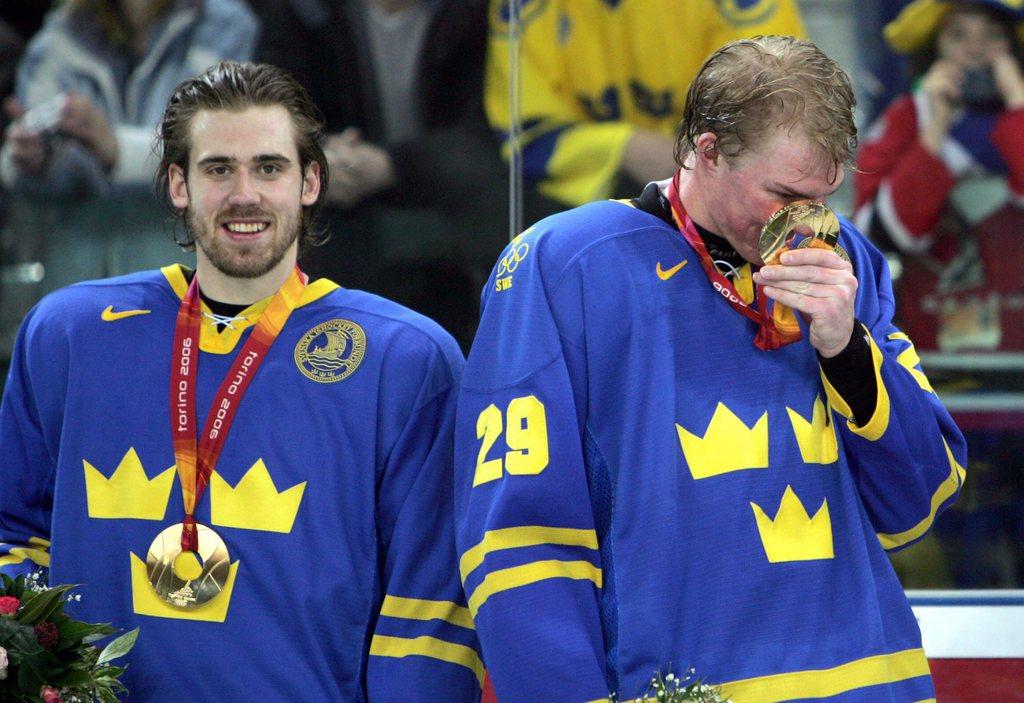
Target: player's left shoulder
{"points": [[557, 243], [401, 336]]}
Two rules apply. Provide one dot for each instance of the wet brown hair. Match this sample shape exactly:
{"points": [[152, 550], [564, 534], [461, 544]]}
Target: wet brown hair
{"points": [[749, 88]]}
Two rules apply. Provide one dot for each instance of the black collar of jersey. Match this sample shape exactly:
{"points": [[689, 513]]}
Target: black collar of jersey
{"points": [[217, 307], [653, 202]]}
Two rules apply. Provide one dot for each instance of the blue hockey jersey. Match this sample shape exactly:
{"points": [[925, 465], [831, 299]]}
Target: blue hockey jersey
{"points": [[333, 494], [639, 487]]}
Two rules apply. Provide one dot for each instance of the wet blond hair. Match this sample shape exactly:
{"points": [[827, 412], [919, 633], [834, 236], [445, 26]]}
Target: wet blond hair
{"points": [[751, 87]]}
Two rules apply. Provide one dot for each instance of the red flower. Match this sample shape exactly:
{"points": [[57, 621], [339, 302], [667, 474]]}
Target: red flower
{"points": [[49, 694], [9, 605], [47, 635]]}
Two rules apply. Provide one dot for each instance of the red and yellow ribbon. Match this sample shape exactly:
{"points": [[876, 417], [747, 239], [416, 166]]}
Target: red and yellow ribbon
{"points": [[196, 460]]}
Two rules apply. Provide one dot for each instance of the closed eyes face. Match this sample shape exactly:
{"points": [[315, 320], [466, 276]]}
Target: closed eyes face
{"points": [[760, 182]]}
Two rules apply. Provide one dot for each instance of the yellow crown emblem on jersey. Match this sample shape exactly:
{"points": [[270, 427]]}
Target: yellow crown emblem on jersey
{"points": [[129, 492], [145, 601], [792, 535], [817, 438], [727, 445], [254, 504]]}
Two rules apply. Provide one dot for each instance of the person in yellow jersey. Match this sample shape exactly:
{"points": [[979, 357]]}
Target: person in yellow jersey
{"points": [[603, 83]]}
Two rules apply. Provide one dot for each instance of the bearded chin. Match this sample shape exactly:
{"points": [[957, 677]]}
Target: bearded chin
{"points": [[250, 261]]}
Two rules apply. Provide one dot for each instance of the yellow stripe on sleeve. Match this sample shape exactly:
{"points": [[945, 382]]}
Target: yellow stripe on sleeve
{"points": [[947, 488], [879, 422], [517, 576], [38, 553], [400, 647], [418, 609], [909, 360], [826, 683], [527, 536]]}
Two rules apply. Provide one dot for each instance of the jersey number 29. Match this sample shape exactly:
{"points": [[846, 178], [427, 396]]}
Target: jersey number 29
{"points": [[526, 437]]}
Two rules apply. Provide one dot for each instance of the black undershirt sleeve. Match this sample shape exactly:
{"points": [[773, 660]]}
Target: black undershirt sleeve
{"points": [[852, 373]]}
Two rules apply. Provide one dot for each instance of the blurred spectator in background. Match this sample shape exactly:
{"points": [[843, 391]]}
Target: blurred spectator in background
{"points": [[18, 22], [941, 185], [91, 88], [884, 75], [603, 83], [941, 176], [418, 193]]}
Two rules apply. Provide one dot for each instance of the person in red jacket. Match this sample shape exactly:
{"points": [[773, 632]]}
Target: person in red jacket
{"points": [[946, 156]]}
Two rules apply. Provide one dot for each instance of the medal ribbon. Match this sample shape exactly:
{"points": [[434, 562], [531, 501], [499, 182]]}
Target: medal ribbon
{"points": [[769, 335], [196, 461]]}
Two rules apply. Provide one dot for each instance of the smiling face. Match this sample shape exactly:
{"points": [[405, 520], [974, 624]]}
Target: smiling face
{"points": [[244, 192], [739, 194], [970, 37]]}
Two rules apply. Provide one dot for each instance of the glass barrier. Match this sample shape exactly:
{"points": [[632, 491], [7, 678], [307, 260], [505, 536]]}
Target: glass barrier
{"points": [[965, 315], [963, 308]]}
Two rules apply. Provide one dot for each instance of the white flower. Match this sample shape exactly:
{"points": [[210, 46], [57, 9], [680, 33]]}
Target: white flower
{"points": [[3, 663]]}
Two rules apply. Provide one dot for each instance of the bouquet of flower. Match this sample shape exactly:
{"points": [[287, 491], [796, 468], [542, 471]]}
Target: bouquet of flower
{"points": [[47, 656], [669, 688]]}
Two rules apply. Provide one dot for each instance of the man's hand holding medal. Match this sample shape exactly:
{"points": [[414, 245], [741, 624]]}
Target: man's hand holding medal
{"points": [[807, 270]]}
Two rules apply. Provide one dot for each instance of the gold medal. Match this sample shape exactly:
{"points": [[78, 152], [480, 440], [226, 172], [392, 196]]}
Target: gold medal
{"points": [[804, 223], [188, 579]]}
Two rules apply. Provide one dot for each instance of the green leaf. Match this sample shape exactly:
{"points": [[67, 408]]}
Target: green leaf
{"points": [[72, 678], [23, 643], [119, 647], [109, 673], [9, 628], [73, 632], [18, 587], [39, 606], [33, 670]]}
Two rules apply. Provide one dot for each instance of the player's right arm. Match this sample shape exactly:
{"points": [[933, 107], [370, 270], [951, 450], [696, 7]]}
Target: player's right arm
{"points": [[527, 545], [32, 397]]}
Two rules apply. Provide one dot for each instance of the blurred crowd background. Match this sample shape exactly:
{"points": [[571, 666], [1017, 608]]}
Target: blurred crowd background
{"points": [[415, 95]]}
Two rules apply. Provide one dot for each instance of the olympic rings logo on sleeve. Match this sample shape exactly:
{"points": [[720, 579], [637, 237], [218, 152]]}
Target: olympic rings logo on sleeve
{"points": [[744, 13], [512, 260]]}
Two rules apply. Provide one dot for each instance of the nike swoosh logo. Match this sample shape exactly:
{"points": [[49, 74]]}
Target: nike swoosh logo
{"points": [[108, 314], [665, 275]]}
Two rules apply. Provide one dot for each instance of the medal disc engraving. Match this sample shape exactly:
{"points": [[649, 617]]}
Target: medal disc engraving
{"points": [[800, 224], [208, 581]]}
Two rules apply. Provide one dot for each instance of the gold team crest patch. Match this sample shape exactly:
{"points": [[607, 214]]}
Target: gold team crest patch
{"points": [[331, 351]]}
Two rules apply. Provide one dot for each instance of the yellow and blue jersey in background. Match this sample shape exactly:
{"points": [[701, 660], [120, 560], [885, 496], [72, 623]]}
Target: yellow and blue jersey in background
{"points": [[594, 71]]}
